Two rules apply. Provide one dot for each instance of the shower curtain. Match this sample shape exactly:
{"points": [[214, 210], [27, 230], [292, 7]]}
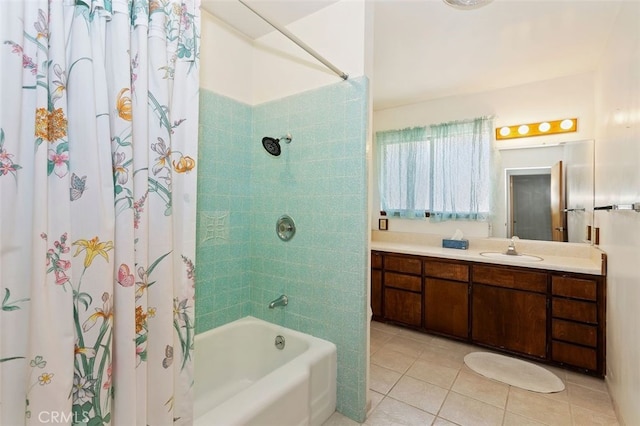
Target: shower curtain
{"points": [[98, 149]]}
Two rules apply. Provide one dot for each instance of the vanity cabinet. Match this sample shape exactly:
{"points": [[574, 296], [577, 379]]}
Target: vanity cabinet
{"points": [[547, 316]]}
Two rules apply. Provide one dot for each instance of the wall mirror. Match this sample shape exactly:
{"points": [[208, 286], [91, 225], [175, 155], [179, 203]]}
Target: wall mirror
{"points": [[545, 192]]}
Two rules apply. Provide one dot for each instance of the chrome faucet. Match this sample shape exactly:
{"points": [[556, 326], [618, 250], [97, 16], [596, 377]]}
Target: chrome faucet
{"points": [[280, 301], [511, 250]]}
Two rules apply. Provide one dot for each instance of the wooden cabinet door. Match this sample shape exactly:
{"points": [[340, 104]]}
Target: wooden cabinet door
{"points": [[403, 306], [447, 307], [513, 320]]}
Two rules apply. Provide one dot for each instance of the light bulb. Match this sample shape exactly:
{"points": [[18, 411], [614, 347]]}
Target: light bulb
{"points": [[544, 127], [566, 124], [523, 130], [504, 131]]}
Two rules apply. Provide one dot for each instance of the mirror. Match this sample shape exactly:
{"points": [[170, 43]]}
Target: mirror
{"points": [[528, 206]]}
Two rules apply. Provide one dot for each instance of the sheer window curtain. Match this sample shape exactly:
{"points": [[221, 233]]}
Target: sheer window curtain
{"points": [[460, 174], [98, 149], [444, 169], [403, 170]]}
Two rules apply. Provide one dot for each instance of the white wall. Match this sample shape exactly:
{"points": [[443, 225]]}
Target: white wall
{"points": [[226, 60], [618, 182], [545, 100], [272, 66], [336, 32]]}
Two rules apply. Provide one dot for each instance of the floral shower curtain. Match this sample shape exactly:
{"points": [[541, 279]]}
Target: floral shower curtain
{"points": [[98, 148]]}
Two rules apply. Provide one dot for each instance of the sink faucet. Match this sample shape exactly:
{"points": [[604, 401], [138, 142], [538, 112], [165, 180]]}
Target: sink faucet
{"points": [[280, 301], [511, 250]]}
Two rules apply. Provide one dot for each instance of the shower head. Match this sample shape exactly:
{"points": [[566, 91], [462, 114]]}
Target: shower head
{"points": [[273, 145]]}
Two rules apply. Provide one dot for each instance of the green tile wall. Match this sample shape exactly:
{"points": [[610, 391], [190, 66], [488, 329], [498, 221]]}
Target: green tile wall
{"points": [[224, 211], [320, 180]]}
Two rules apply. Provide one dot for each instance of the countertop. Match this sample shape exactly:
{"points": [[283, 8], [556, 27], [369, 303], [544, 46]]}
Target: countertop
{"points": [[567, 257]]}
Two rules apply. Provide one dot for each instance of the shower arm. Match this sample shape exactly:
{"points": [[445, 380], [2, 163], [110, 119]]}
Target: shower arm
{"points": [[299, 42]]}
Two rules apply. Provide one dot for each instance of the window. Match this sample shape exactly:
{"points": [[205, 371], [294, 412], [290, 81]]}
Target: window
{"points": [[442, 169]]}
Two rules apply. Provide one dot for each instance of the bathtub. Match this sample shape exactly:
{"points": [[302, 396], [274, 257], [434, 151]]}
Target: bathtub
{"points": [[241, 378]]}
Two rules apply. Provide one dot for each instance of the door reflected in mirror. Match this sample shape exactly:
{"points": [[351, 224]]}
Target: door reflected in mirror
{"points": [[546, 192], [529, 215]]}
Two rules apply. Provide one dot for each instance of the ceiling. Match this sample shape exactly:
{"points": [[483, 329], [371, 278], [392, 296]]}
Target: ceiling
{"points": [[424, 49]]}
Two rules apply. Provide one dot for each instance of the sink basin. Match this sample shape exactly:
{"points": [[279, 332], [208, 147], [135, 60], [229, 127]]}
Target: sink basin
{"points": [[520, 257]]}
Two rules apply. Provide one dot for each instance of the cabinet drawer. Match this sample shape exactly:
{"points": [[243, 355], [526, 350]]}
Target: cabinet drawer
{"points": [[581, 334], [409, 265], [574, 310], [406, 282], [577, 356], [574, 287], [446, 270], [403, 306], [510, 278], [376, 260]]}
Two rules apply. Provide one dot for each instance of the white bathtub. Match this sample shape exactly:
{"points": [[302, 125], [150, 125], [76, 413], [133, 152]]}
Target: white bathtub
{"points": [[241, 378]]}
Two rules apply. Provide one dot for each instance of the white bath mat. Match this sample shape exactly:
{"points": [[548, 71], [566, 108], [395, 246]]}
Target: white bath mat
{"points": [[514, 372]]}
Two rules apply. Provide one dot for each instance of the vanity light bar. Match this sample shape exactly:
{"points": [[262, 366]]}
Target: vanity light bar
{"points": [[541, 128]]}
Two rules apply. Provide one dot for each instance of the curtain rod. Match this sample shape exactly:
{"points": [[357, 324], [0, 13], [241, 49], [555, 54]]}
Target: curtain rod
{"points": [[299, 42]]}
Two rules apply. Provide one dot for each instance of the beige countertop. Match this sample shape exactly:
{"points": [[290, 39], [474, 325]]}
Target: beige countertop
{"points": [[567, 257]]}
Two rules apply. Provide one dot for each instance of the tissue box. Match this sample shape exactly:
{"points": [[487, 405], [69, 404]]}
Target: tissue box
{"points": [[455, 244]]}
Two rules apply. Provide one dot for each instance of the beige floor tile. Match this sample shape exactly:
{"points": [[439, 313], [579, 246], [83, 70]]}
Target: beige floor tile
{"points": [[393, 360], [435, 374], [583, 417], [406, 345], [511, 419], [537, 407], [382, 379], [376, 398], [380, 336], [419, 394], [470, 412], [376, 325], [392, 412], [416, 335], [558, 396], [590, 399], [439, 421], [441, 356], [374, 346], [481, 388], [457, 350], [337, 419], [586, 381], [454, 345], [432, 365]]}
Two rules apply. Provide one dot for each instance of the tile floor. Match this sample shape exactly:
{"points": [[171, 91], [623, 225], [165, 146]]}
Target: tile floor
{"points": [[418, 379]]}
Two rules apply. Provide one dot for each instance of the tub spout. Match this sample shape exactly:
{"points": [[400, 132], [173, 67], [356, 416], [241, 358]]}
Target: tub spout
{"points": [[280, 301]]}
